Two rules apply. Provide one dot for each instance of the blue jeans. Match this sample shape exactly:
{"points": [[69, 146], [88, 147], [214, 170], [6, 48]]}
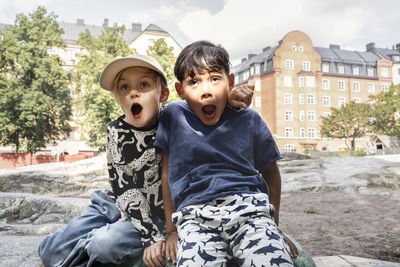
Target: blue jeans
{"points": [[95, 236]]}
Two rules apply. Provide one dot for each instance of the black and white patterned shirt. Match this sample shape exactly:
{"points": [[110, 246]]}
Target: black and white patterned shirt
{"points": [[134, 170]]}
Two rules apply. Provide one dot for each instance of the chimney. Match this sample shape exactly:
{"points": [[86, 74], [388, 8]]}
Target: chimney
{"points": [[398, 47], [105, 23], [371, 47], [334, 46], [80, 22], [136, 27], [244, 59], [251, 55], [266, 48]]}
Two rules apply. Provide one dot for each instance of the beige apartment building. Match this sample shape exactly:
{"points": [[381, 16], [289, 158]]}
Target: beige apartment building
{"points": [[296, 84]]}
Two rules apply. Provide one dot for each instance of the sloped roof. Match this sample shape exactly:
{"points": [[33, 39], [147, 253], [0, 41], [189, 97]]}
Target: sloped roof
{"points": [[260, 58], [387, 53], [154, 28], [346, 56], [389, 141]]}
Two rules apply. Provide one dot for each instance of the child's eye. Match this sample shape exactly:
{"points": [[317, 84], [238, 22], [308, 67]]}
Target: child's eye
{"points": [[215, 79], [144, 84], [193, 82], [124, 87]]}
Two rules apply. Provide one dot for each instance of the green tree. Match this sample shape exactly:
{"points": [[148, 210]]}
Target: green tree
{"points": [[165, 56], [349, 122], [35, 104], [386, 112], [96, 105]]}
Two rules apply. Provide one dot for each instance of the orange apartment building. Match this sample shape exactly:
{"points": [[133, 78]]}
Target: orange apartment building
{"points": [[296, 84]]}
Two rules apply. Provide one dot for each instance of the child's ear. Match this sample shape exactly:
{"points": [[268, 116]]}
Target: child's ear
{"points": [[179, 90], [164, 95], [231, 81]]}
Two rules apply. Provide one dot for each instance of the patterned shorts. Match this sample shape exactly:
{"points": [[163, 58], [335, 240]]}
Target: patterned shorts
{"points": [[237, 226]]}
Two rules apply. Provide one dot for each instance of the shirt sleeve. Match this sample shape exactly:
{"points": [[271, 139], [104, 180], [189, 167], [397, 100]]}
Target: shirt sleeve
{"points": [[265, 149], [130, 200], [162, 136]]}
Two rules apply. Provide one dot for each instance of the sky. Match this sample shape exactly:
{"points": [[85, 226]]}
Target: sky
{"points": [[242, 27]]}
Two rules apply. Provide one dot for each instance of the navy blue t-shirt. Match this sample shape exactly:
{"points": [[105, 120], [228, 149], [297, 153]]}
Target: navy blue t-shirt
{"points": [[206, 162]]}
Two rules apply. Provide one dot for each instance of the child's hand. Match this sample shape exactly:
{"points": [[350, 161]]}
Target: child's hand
{"points": [[241, 96], [172, 243], [153, 256], [293, 249]]}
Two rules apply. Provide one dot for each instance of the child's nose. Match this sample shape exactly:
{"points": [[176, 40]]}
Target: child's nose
{"points": [[134, 94], [206, 91]]}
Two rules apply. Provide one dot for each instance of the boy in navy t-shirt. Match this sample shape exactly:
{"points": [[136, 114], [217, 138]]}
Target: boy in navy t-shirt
{"points": [[220, 180]]}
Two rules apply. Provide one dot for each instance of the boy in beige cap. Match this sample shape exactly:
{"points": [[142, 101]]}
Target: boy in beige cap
{"points": [[129, 220]]}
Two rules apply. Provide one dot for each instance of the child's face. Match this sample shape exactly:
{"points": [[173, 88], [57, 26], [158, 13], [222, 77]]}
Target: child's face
{"points": [[139, 94], [206, 94]]}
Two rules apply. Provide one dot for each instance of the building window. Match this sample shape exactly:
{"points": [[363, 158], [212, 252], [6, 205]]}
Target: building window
{"points": [[301, 98], [301, 115], [289, 148], [326, 114], [288, 132], [311, 132], [371, 87], [301, 49], [151, 42], [356, 70], [341, 85], [325, 67], [246, 75], [326, 101], [252, 71], [385, 87], [258, 101], [385, 72], [341, 101], [340, 69], [294, 48], [236, 79], [302, 132], [287, 82], [288, 115], [310, 81], [257, 85], [310, 98], [289, 64], [396, 58], [311, 115], [306, 66], [370, 71], [357, 100], [356, 86], [257, 69], [326, 84], [301, 81], [287, 98]]}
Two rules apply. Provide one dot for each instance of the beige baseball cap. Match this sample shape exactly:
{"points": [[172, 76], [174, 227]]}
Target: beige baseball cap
{"points": [[119, 64]]}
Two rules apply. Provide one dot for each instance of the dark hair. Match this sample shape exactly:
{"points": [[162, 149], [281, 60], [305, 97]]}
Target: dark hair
{"points": [[201, 56]]}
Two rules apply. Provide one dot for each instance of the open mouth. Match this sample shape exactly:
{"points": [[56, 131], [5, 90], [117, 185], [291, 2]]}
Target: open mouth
{"points": [[209, 111], [136, 110]]}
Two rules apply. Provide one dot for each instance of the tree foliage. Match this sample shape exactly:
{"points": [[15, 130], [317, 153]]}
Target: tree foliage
{"points": [[348, 122], [165, 56], [35, 103], [386, 112], [96, 105]]}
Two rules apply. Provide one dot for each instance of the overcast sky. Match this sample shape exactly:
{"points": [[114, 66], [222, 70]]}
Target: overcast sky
{"points": [[242, 27]]}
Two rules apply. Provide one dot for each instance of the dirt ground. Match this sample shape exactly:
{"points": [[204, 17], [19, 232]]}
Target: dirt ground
{"points": [[345, 222]]}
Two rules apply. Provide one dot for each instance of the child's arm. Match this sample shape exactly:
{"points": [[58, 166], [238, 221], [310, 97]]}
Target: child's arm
{"points": [[240, 97], [273, 178], [172, 240]]}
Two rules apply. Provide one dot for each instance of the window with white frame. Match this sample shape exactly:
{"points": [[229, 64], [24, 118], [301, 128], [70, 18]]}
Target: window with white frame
{"points": [[356, 86], [287, 81], [311, 132], [257, 85], [236, 79], [258, 101], [289, 64], [252, 71], [310, 115], [326, 84], [310, 98], [310, 81], [385, 72], [301, 98], [301, 81], [341, 85], [289, 148], [257, 69], [326, 114], [288, 132], [325, 67], [357, 100], [370, 71], [371, 87], [356, 70], [301, 49], [385, 87], [288, 98], [301, 115], [340, 69], [294, 48], [306, 66], [341, 101], [326, 101], [302, 132], [246, 75], [288, 115]]}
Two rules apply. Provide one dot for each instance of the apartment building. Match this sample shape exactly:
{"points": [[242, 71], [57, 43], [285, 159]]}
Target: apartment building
{"points": [[296, 84]]}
